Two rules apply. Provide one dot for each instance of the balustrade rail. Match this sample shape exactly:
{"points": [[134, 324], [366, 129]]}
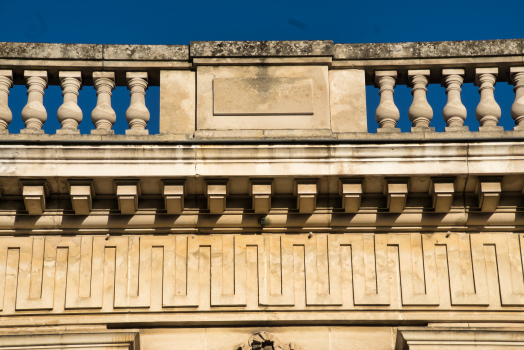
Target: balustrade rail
{"points": [[385, 65]]}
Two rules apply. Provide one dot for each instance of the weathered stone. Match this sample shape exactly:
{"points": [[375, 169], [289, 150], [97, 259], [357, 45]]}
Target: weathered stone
{"points": [[146, 52], [376, 51], [471, 48], [51, 51], [261, 48]]}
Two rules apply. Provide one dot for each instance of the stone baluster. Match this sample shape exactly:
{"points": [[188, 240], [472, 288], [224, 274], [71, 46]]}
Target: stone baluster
{"points": [[103, 116], [137, 115], [387, 114], [517, 109], [34, 114], [69, 114], [454, 112], [420, 112], [488, 111], [6, 82]]}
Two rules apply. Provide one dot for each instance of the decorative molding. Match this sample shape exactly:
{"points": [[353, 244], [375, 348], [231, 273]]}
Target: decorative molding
{"points": [[266, 341]]}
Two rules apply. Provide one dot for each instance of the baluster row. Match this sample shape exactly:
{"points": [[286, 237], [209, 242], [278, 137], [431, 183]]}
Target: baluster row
{"points": [[420, 113], [34, 114]]}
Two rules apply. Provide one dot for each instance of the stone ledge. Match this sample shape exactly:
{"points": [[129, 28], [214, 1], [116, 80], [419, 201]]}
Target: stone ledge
{"points": [[94, 51], [325, 48], [429, 49], [269, 135], [261, 48]]}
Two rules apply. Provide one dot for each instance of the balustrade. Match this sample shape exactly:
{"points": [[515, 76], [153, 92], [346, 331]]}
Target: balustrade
{"points": [[187, 103], [137, 115], [488, 111], [420, 112], [69, 114], [103, 116], [517, 109], [34, 113], [387, 114], [454, 112], [6, 82]]}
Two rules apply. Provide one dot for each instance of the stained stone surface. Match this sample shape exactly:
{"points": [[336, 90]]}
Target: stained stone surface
{"points": [[50, 51], [93, 51], [429, 49], [146, 52], [261, 48]]}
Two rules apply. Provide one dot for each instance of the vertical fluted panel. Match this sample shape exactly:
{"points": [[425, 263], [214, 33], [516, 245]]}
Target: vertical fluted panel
{"points": [[69, 114], [420, 113], [137, 115], [34, 113], [387, 113], [103, 116], [6, 82], [454, 113], [517, 109], [488, 111]]}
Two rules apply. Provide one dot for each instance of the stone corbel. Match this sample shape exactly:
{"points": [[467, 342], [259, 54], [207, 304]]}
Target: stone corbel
{"points": [[174, 192], [82, 193], [442, 190], [488, 191], [261, 191], [216, 193], [351, 192], [127, 193], [306, 193], [396, 191], [34, 193]]}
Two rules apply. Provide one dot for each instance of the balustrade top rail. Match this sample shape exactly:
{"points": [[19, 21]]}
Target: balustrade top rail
{"points": [[175, 69]]}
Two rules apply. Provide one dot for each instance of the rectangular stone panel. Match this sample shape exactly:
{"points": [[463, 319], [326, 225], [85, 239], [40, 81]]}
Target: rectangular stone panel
{"points": [[262, 96]]}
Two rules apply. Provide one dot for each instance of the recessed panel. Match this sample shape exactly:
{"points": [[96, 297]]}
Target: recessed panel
{"points": [[262, 96]]}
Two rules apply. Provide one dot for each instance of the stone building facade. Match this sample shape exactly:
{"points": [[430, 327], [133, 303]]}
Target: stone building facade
{"points": [[264, 215]]}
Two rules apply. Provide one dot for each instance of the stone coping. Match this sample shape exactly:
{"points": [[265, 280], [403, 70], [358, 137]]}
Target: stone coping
{"points": [[258, 136], [202, 49]]}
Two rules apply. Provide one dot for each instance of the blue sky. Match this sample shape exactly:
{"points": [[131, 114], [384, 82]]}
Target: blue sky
{"points": [[179, 22]]}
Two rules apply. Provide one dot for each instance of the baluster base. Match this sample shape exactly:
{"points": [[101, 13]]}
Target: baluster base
{"points": [[456, 128], [137, 132], [32, 131], [68, 131], [491, 128], [6, 132], [388, 130], [102, 132], [519, 127], [422, 129]]}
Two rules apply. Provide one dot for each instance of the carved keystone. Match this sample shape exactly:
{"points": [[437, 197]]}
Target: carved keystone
{"points": [[127, 192], [82, 192], [396, 191], [306, 193], [488, 191], [351, 192], [261, 192], [442, 190], [216, 192], [34, 193], [174, 192]]}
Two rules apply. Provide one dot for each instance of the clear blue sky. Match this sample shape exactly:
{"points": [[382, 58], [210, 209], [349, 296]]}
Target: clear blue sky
{"points": [[179, 22]]}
